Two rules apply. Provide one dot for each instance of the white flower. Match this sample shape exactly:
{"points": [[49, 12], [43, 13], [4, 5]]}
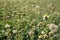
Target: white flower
{"points": [[42, 32], [40, 23], [5, 5], [49, 5], [53, 27], [21, 16], [18, 20], [45, 16], [34, 26], [37, 6], [7, 25], [33, 20], [14, 31], [45, 35], [31, 32], [41, 36]]}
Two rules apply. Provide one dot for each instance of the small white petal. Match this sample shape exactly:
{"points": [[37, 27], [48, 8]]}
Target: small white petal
{"points": [[42, 32]]}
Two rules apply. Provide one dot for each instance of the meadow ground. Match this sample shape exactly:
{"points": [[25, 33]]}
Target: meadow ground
{"points": [[29, 19]]}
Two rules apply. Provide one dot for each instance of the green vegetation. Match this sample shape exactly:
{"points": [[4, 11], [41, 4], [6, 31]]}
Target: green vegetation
{"points": [[29, 19]]}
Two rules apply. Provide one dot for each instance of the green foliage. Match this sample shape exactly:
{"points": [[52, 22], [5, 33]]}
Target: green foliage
{"points": [[26, 19]]}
